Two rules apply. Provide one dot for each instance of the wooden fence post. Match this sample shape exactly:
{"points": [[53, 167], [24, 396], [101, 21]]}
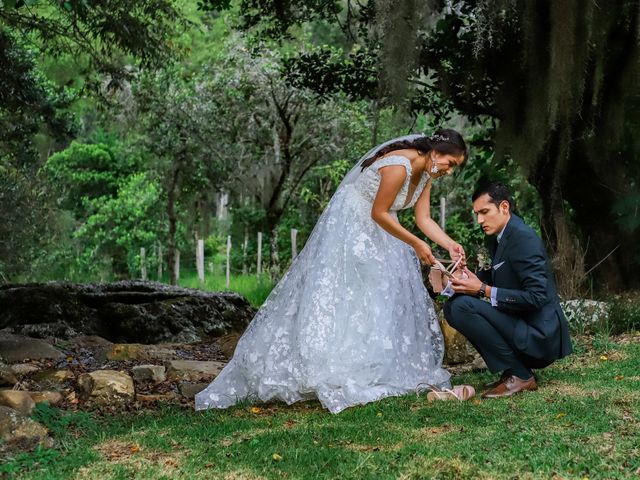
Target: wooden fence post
{"points": [[160, 265], [294, 246], [245, 246], [176, 265], [259, 267], [200, 260], [228, 261], [143, 263]]}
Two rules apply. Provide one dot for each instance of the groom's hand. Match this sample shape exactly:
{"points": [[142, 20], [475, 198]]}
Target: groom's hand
{"points": [[469, 285]]}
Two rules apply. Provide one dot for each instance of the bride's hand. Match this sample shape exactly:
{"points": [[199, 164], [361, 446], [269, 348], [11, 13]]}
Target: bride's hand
{"points": [[424, 253], [455, 251]]}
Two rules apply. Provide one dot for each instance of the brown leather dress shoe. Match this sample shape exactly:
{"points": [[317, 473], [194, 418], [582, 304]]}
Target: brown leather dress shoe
{"points": [[510, 386], [497, 382]]}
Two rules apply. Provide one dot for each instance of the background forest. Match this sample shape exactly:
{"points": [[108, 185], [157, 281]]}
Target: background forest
{"points": [[156, 123]]}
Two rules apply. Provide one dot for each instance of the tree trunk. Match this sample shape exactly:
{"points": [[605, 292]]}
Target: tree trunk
{"points": [[579, 237], [173, 220]]}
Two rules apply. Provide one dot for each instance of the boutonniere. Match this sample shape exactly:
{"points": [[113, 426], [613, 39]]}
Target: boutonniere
{"points": [[484, 259]]}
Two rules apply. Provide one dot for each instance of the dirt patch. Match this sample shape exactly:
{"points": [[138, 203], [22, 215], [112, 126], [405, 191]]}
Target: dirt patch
{"points": [[438, 468], [134, 455], [242, 475], [569, 390]]}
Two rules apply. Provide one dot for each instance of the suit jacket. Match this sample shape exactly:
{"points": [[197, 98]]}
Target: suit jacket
{"points": [[526, 287]]}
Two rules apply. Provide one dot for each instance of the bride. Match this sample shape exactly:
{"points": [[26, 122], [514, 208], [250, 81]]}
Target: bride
{"points": [[351, 321]]}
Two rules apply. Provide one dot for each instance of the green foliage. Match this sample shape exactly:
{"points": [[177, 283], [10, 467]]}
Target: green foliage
{"points": [[624, 313], [627, 210], [253, 289], [59, 422], [120, 225], [83, 172], [326, 71]]}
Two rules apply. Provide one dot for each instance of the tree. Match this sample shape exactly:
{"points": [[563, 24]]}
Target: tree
{"points": [[559, 81], [178, 119]]}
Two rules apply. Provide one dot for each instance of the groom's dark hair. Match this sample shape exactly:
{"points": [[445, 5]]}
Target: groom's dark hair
{"points": [[498, 192]]}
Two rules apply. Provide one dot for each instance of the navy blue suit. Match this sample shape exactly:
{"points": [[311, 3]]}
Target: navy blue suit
{"points": [[527, 327]]}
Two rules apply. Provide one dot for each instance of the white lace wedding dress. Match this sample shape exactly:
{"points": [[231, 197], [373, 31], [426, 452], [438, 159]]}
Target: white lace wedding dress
{"points": [[349, 323]]}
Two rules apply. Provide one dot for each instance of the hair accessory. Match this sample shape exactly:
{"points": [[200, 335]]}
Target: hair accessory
{"points": [[439, 138]]}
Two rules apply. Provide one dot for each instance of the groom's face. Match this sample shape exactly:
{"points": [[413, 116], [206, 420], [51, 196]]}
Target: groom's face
{"points": [[492, 218]]}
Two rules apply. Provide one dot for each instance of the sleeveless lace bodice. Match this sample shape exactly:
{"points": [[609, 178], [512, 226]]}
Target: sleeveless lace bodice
{"points": [[368, 182]]}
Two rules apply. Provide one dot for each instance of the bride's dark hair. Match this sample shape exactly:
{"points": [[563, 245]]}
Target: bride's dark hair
{"points": [[443, 140]]}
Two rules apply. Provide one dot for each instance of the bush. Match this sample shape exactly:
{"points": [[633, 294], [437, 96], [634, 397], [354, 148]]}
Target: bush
{"points": [[624, 314]]}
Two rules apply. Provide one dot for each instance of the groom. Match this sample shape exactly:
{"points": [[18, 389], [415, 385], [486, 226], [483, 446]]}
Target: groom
{"points": [[511, 314]]}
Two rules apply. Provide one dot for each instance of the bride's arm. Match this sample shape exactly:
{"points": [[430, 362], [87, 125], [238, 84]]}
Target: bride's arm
{"points": [[391, 179], [429, 226]]}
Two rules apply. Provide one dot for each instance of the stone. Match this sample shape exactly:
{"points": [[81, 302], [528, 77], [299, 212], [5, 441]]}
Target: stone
{"points": [[478, 363], [189, 389], [97, 346], [17, 349], [457, 348], [584, 313], [55, 379], [52, 398], [18, 400], [122, 312], [193, 370], [15, 427], [107, 387], [149, 373], [22, 369], [228, 344], [89, 342], [7, 376], [137, 351]]}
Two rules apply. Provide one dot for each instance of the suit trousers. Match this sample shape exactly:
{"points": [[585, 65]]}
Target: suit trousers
{"points": [[491, 332]]}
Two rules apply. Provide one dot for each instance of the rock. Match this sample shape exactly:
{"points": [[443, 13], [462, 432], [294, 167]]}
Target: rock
{"points": [[17, 348], [53, 398], [7, 376], [478, 363], [55, 379], [15, 427], [189, 389], [97, 346], [584, 313], [457, 348], [127, 311], [136, 351], [22, 369], [89, 342], [106, 387], [46, 330], [18, 400], [146, 373], [228, 344], [193, 370]]}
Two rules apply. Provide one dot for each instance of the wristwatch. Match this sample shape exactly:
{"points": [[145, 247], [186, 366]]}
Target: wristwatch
{"points": [[482, 291]]}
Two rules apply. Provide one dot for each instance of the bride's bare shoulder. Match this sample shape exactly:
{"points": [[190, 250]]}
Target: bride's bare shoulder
{"points": [[408, 153]]}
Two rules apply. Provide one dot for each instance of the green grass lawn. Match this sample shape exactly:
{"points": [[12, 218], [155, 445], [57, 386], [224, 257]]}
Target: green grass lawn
{"points": [[582, 423], [254, 290]]}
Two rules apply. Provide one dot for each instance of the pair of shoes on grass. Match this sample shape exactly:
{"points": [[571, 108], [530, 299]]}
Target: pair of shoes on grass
{"points": [[457, 392]]}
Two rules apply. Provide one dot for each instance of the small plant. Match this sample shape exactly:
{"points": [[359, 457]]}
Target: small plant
{"points": [[63, 422], [624, 315]]}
